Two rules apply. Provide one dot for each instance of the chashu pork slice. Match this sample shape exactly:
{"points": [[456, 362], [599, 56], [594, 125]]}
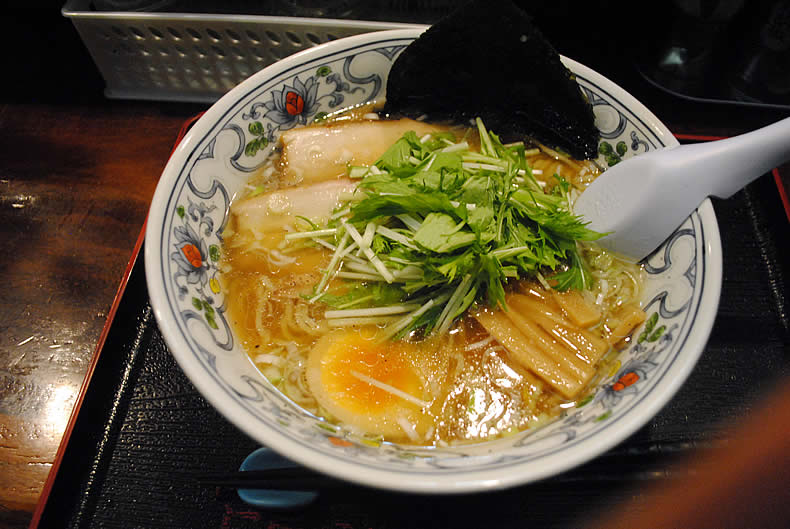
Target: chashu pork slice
{"points": [[274, 211], [315, 154]]}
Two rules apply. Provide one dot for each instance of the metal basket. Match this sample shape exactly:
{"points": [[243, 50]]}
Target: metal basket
{"points": [[192, 56]]}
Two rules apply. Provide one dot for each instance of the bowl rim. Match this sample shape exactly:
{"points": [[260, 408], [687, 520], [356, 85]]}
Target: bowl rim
{"points": [[473, 480]]}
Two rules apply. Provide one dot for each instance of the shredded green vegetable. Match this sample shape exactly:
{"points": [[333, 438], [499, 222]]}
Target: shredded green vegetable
{"points": [[434, 228]]}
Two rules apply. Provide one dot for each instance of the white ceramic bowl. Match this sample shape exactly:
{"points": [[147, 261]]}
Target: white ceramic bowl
{"points": [[183, 238]]}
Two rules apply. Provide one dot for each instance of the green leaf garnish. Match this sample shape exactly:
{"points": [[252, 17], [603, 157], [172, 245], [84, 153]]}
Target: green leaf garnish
{"points": [[435, 228]]}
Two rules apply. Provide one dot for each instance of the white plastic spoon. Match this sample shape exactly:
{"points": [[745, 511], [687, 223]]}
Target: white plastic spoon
{"points": [[642, 200]]}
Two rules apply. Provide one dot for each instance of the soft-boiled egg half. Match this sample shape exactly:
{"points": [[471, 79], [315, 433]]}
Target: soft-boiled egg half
{"points": [[370, 385]]}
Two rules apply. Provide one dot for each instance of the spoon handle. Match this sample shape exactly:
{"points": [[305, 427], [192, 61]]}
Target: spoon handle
{"points": [[723, 167], [640, 202]]}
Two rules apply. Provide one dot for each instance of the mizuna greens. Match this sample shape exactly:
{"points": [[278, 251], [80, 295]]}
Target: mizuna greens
{"points": [[435, 227]]}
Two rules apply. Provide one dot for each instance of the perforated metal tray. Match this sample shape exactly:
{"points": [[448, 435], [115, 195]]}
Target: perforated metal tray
{"points": [[194, 56]]}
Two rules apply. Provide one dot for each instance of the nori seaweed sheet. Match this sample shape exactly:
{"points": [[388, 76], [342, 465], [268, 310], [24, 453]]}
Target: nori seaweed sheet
{"points": [[488, 59]]}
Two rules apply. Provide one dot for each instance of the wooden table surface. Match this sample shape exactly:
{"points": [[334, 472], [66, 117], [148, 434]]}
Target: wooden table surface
{"points": [[77, 172], [76, 182]]}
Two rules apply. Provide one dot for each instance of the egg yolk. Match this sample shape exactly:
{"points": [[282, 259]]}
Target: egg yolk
{"points": [[369, 385]]}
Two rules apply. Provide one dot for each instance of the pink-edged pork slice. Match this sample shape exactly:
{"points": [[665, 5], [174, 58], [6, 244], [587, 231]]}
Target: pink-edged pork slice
{"points": [[316, 154], [279, 209]]}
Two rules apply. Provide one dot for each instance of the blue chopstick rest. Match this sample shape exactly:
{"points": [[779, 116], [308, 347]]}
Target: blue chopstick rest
{"points": [[264, 459]]}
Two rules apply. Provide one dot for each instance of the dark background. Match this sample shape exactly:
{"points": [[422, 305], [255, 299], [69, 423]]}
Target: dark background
{"points": [[696, 48]]}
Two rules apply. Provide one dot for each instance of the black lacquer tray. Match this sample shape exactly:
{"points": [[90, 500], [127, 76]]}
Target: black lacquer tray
{"points": [[143, 434]]}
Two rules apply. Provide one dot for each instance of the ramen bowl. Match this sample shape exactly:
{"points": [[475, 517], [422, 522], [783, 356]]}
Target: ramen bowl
{"points": [[184, 242]]}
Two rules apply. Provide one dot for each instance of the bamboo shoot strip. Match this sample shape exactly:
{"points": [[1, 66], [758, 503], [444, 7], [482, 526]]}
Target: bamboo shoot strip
{"points": [[529, 356], [579, 311], [585, 342], [569, 335], [563, 357], [631, 316]]}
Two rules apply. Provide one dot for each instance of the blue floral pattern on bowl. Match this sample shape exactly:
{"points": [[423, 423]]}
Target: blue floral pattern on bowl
{"points": [[218, 157]]}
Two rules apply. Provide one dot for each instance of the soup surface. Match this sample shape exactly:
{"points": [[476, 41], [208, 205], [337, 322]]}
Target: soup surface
{"points": [[320, 332]]}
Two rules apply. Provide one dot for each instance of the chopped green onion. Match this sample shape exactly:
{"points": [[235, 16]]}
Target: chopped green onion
{"points": [[310, 234]]}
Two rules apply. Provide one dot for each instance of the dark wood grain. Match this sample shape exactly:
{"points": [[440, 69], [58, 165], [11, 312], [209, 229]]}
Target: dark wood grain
{"points": [[75, 185]]}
